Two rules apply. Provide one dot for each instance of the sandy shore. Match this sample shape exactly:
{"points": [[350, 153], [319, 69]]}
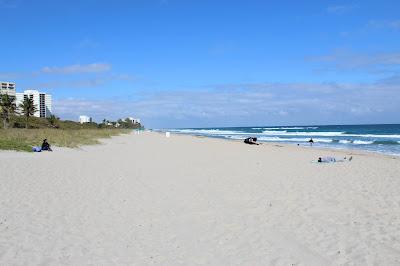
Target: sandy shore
{"points": [[150, 200]]}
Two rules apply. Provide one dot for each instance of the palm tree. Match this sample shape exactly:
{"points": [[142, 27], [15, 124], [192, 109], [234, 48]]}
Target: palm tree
{"points": [[7, 108], [28, 109]]}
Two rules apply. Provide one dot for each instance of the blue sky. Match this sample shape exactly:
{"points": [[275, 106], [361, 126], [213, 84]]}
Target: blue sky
{"points": [[208, 63]]}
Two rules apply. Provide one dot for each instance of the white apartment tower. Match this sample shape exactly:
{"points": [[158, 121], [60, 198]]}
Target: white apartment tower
{"points": [[134, 120], [42, 101], [85, 119], [7, 88]]}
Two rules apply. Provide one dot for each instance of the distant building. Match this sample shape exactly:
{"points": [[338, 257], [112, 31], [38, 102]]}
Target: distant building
{"points": [[42, 101], [85, 119], [7, 88], [134, 120]]}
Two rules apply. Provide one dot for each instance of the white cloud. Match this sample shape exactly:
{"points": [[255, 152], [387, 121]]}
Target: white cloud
{"points": [[348, 60], [73, 84], [340, 9], [71, 69], [249, 104], [76, 69], [393, 80], [16, 75], [87, 82], [389, 24]]}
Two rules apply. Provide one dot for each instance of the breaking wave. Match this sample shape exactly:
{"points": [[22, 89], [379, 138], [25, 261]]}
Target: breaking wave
{"points": [[381, 138]]}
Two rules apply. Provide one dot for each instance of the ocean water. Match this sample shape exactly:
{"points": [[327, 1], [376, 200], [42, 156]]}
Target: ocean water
{"points": [[377, 138]]}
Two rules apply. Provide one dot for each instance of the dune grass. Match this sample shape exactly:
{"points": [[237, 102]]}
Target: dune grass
{"points": [[23, 139]]}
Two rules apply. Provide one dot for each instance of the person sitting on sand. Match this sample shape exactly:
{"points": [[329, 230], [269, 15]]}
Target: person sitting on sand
{"points": [[329, 159], [251, 141], [46, 146]]}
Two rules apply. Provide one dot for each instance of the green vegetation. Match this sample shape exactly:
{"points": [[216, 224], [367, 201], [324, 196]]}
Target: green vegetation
{"points": [[24, 139], [7, 108], [28, 109], [53, 120], [12, 144], [21, 132]]}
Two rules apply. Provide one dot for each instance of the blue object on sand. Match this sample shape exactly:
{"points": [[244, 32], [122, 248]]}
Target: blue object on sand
{"points": [[36, 149]]}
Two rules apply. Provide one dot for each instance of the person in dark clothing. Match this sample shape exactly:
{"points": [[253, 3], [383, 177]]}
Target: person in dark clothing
{"points": [[251, 140], [46, 146], [311, 141]]}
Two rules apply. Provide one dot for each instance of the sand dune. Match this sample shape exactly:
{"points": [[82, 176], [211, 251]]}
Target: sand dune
{"points": [[150, 200]]}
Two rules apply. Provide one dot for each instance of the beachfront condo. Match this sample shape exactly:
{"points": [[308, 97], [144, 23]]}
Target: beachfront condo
{"points": [[134, 120], [85, 119], [7, 88], [42, 101]]}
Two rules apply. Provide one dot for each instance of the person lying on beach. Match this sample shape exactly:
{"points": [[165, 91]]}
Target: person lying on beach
{"points": [[252, 141], [46, 146], [329, 159]]}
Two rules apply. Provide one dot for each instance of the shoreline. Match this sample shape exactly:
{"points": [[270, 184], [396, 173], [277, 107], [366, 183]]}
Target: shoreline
{"points": [[354, 151], [340, 151], [378, 138]]}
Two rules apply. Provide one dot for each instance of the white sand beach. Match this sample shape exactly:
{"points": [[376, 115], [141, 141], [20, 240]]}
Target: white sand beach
{"points": [[150, 200]]}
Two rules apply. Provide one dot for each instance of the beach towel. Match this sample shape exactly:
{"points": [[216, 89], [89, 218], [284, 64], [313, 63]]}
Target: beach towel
{"points": [[36, 149]]}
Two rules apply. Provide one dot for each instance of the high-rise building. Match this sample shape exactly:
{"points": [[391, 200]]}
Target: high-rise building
{"points": [[84, 119], [42, 101], [7, 88], [134, 120]]}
